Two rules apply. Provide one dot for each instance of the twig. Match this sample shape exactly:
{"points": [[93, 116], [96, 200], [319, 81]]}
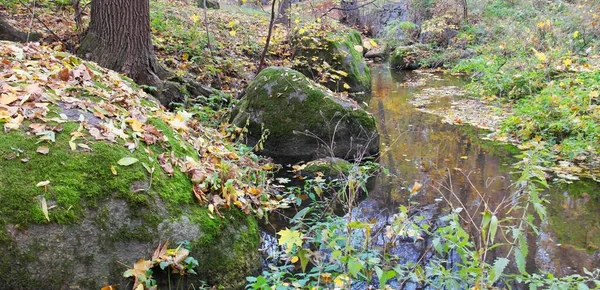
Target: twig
{"points": [[347, 9], [206, 22], [44, 24]]}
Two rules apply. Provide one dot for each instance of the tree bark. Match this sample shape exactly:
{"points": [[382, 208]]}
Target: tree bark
{"points": [[7, 32], [350, 13], [283, 13], [118, 38]]}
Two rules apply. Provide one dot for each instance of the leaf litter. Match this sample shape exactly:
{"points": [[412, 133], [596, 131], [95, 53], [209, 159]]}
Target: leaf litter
{"points": [[40, 89]]}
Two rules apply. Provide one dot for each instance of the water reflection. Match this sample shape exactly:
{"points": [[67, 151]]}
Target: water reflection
{"points": [[444, 158]]}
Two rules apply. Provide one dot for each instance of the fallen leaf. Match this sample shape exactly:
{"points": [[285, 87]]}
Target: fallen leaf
{"points": [[44, 205], [43, 150], [126, 161], [6, 99], [416, 187], [113, 170], [43, 183], [164, 163]]}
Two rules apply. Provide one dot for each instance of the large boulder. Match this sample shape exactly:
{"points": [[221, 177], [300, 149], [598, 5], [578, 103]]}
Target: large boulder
{"points": [[95, 175], [303, 120], [334, 60]]}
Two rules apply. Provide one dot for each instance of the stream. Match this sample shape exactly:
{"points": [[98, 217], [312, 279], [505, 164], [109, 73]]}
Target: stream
{"points": [[419, 147], [454, 164]]}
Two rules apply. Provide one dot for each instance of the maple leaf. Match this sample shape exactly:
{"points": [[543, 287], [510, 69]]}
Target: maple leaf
{"points": [[139, 272], [289, 238]]}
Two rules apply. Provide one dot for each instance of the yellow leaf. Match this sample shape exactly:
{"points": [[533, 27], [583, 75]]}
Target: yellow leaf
{"points": [[113, 170], [135, 125], [373, 43], [540, 55], [341, 280], [416, 187], [232, 32], [185, 56], [346, 86], [294, 259], [195, 18], [289, 238]]}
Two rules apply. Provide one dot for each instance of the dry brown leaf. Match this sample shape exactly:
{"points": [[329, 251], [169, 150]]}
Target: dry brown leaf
{"points": [[43, 150]]}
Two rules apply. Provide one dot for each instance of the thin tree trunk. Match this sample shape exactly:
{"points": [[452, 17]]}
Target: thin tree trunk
{"points": [[119, 38], [465, 12], [350, 13], [283, 13], [261, 64]]}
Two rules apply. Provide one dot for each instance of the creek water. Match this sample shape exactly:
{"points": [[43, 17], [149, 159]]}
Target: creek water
{"points": [[455, 165]]}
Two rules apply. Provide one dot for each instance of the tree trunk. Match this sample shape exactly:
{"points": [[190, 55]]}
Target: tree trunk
{"points": [[7, 32], [283, 13], [465, 12], [118, 38], [350, 13]]}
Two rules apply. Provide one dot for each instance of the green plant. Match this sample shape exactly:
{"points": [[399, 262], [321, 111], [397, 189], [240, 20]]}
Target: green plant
{"points": [[176, 260]]}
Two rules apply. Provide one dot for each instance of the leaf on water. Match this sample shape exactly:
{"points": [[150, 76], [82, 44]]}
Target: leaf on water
{"points": [[126, 161]]}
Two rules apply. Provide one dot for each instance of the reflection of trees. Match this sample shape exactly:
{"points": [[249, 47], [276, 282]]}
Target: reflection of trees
{"points": [[422, 148], [574, 214]]}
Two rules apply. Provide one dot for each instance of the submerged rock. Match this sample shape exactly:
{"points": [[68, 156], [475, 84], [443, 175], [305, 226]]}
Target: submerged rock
{"points": [[301, 120], [340, 55], [406, 57]]}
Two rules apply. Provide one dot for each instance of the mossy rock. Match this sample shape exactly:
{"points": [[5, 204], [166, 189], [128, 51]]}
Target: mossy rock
{"points": [[340, 52], [101, 222], [330, 167], [210, 4], [303, 119], [406, 58]]}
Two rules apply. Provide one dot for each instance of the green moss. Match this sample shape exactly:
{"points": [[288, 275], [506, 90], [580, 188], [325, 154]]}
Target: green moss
{"points": [[310, 99], [339, 51], [330, 167], [77, 179], [242, 244]]}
